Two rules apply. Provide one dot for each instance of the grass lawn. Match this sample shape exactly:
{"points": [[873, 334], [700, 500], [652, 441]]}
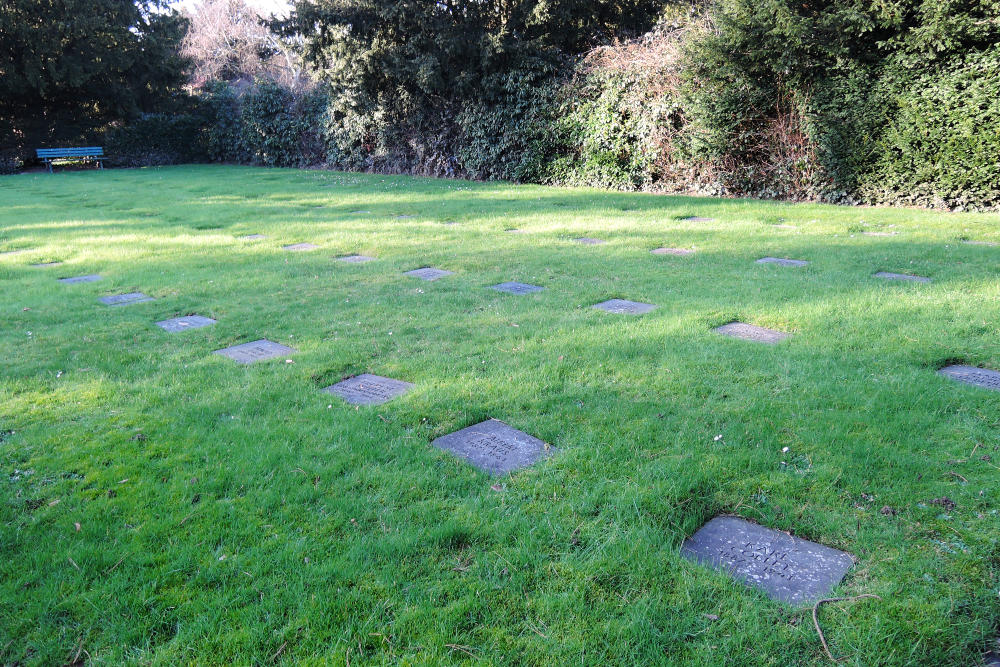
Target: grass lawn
{"points": [[164, 504]]}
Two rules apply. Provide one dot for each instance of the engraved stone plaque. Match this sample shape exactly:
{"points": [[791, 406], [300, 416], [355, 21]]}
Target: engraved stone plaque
{"points": [[888, 275], [178, 324], [980, 377], [125, 299], [788, 569], [494, 447], [429, 273], [369, 389], [517, 288], [751, 332], [355, 259], [679, 252], [782, 262], [92, 278], [253, 237], [258, 350], [695, 218], [586, 240], [625, 307], [44, 265], [299, 247]]}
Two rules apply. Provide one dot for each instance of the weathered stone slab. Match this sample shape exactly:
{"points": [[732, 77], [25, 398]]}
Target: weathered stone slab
{"points": [[369, 389], [751, 332], [782, 261], [258, 350], [695, 218], [178, 324], [44, 265], [586, 240], [888, 275], [625, 307], [980, 377], [125, 299], [92, 278], [253, 237], [494, 447], [355, 259], [679, 252], [429, 273], [517, 288], [299, 247], [788, 569]]}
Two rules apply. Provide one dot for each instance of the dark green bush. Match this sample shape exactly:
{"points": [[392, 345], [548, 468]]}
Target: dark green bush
{"points": [[158, 139], [942, 145]]}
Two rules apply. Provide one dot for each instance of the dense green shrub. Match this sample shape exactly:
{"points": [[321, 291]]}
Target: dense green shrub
{"points": [[265, 124], [158, 139], [942, 146]]}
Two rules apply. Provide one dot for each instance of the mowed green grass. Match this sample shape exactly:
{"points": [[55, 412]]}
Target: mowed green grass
{"points": [[163, 504]]}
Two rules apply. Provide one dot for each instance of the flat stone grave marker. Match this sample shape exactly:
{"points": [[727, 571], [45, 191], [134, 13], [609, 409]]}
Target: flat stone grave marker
{"points": [[679, 252], [429, 273], [369, 389], [888, 275], [494, 447], [980, 377], [92, 278], [43, 265], [782, 261], [751, 332], [695, 218], [788, 569], [517, 288], [299, 247], [253, 237], [258, 350], [178, 324], [586, 240], [125, 299], [355, 259], [405, 217], [625, 307]]}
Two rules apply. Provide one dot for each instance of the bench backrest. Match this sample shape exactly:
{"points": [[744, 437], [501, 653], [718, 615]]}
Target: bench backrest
{"points": [[50, 153]]}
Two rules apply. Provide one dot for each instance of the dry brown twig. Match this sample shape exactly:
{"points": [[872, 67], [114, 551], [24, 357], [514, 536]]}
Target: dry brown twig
{"points": [[819, 631]]}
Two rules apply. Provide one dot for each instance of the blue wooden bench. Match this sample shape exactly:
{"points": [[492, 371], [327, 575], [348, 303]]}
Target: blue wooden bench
{"points": [[87, 154]]}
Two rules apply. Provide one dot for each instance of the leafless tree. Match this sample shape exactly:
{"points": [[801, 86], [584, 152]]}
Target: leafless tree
{"points": [[229, 40]]}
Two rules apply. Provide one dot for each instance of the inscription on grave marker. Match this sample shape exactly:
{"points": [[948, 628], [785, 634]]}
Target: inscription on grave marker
{"points": [[92, 278], [786, 568], [517, 288], [980, 377], [751, 332], [625, 307], [355, 259], [782, 261], [125, 299], [494, 447], [178, 324], [258, 350], [429, 273], [369, 389]]}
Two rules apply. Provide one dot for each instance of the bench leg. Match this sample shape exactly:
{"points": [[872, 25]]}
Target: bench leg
{"points": [[48, 163]]}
